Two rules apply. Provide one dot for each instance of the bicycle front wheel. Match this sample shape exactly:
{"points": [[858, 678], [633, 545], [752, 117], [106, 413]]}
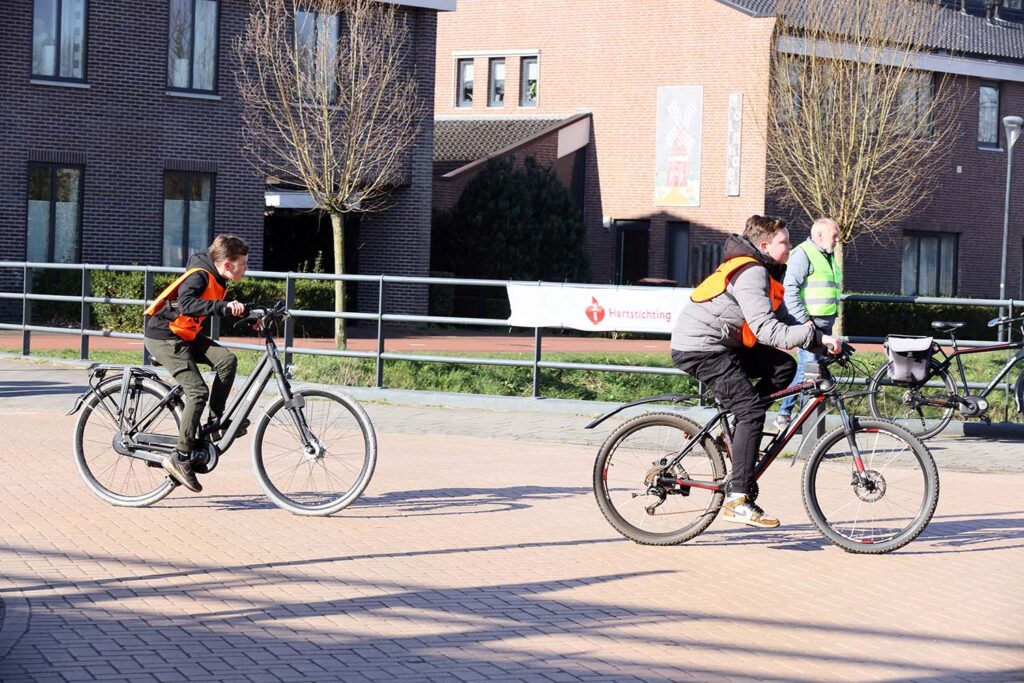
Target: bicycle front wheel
{"points": [[909, 407], [321, 475], [887, 505], [113, 476], [626, 484]]}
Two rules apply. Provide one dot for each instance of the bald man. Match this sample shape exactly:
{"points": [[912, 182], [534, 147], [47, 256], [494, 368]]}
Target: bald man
{"points": [[813, 284]]}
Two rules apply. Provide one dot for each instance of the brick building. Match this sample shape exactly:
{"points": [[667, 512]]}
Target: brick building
{"points": [[122, 138], [656, 203]]}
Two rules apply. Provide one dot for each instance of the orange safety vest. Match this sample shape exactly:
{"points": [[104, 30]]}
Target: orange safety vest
{"points": [[186, 326], [715, 284]]}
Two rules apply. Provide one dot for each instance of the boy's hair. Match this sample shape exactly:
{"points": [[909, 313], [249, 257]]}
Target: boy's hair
{"points": [[762, 228], [228, 248]]}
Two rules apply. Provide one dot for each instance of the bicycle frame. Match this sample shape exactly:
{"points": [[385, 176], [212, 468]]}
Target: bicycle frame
{"points": [[137, 443], [824, 390], [958, 352]]}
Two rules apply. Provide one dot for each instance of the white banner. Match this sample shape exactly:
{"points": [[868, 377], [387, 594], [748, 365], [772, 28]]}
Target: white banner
{"points": [[634, 309]]}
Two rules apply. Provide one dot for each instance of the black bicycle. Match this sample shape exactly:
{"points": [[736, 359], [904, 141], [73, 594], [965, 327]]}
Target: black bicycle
{"points": [[314, 451], [926, 406], [869, 486]]}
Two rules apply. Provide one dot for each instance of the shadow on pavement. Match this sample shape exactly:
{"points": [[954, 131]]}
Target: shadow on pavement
{"points": [[433, 633], [426, 502], [21, 389]]}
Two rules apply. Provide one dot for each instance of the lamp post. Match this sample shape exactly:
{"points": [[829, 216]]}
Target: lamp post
{"points": [[1013, 126]]}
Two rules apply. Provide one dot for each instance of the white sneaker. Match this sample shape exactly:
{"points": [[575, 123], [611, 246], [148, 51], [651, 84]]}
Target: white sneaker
{"points": [[782, 422], [742, 512]]}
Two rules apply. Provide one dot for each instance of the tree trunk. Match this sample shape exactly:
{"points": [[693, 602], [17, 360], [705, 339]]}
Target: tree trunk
{"points": [[338, 229], [837, 330]]}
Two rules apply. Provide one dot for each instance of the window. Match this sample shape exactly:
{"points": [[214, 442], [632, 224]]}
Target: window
{"points": [[916, 102], [929, 263], [192, 45], [58, 39], [633, 238], [1017, 5], [528, 72], [464, 97], [188, 215], [678, 252], [496, 91], [988, 115], [316, 44], [54, 213]]}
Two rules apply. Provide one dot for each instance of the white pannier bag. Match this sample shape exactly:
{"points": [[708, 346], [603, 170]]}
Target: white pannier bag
{"points": [[908, 358]]}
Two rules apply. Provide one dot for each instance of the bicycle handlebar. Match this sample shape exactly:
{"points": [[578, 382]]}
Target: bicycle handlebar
{"points": [[1005, 320], [266, 314]]}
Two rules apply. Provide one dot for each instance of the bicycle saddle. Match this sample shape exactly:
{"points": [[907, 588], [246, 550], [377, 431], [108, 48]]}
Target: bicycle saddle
{"points": [[943, 326]]}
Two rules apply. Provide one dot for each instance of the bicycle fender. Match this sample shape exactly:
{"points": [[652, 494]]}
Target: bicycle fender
{"points": [[660, 398]]}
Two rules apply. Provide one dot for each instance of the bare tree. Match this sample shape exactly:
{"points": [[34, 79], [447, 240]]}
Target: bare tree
{"points": [[330, 102], [855, 132]]}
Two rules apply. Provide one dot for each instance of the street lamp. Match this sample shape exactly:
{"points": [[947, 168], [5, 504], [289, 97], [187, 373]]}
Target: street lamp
{"points": [[1013, 126]]}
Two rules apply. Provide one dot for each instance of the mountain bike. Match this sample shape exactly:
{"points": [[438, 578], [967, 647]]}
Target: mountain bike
{"points": [[925, 407], [869, 486], [314, 451]]}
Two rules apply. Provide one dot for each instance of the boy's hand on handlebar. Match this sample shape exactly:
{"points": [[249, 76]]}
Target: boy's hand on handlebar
{"points": [[236, 308], [833, 344]]}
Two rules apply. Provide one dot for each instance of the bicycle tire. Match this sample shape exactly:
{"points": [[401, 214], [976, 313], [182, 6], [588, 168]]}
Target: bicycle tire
{"points": [[349, 423], [704, 462], [891, 406], [152, 482], [848, 527]]}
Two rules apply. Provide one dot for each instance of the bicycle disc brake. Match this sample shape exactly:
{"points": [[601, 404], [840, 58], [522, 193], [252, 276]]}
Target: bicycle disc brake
{"points": [[869, 486]]}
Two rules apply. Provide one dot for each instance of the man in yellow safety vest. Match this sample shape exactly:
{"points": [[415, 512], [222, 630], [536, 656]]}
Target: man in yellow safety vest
{"points": [[814, 283]]}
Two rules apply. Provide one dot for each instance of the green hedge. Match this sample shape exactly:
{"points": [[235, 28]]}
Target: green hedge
{"points": [[879, 318]]}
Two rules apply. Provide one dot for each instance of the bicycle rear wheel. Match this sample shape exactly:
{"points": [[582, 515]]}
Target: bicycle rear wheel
{"points": [[889, 506], [117, 478], [631, 499], [907, 406], [325, 475]]}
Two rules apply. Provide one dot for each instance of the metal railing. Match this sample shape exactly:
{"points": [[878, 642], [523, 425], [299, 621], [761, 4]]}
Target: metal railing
{"points": [[85, 332]]}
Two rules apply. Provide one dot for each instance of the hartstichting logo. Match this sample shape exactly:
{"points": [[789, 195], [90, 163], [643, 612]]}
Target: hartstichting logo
{"points": [[595, 311]]}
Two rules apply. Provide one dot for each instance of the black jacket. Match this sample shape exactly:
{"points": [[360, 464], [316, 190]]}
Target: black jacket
{"points": [[187, 301]]}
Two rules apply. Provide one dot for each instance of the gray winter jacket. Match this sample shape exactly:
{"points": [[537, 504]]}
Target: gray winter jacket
{"points": [[716, 325]]}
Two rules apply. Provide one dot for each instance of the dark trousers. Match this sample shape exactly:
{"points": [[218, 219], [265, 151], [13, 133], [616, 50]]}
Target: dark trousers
{"points": [[728, 375], [181, 359]]}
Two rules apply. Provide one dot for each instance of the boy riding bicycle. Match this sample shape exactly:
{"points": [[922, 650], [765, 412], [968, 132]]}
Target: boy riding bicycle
{"points": [[732, 330], [173, 336]]}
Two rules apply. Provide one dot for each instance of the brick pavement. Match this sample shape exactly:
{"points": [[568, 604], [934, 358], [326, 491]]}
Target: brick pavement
{"points": [[477, 553]]}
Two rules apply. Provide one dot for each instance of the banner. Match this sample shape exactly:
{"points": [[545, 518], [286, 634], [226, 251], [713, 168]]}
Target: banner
{"points": [[601, 309]]}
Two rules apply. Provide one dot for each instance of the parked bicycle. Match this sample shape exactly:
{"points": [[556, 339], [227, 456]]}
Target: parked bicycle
{"points": [[869, 486], [313, 451], [916, 390]]}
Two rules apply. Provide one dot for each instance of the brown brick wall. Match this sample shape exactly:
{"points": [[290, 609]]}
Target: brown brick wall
{"points": [[610, 58]]}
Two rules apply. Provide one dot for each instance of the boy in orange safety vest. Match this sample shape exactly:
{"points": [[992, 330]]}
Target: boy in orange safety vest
{"points": [[173, 336], [732, 330]]}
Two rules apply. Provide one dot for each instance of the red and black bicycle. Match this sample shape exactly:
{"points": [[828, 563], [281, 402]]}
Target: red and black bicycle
{"points": [[869, 486]]}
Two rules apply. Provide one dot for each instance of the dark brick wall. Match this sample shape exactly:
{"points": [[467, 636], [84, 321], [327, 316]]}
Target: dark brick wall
{"points": [[397, 241], [127, 129]]}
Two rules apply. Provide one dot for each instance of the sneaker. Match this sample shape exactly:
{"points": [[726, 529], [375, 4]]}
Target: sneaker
{"points": [[181, 471], [782, 422], [742, 512]]}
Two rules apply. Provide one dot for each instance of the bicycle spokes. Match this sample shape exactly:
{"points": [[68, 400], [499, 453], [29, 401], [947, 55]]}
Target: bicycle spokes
{"points": [[877, 504]]}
